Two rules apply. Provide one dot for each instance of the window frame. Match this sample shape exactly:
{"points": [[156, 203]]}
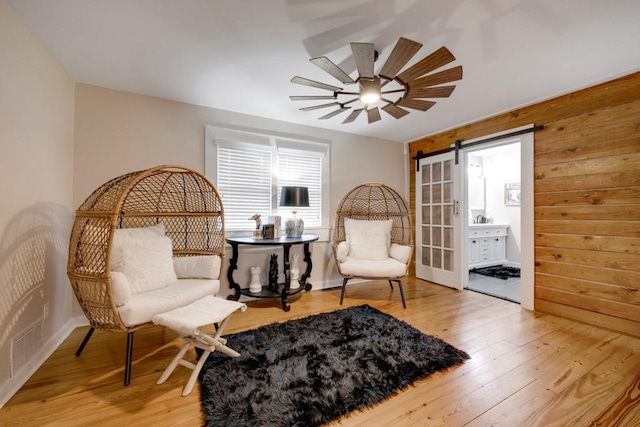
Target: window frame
{"points": [[215, 136]]}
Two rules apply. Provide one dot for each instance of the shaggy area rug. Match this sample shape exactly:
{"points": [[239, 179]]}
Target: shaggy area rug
{"points": [[310, 371], [499, 271]]}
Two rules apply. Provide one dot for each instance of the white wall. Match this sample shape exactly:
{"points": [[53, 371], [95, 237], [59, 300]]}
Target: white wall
{"points": [[501, 166], [36, 160], [117, 132]]}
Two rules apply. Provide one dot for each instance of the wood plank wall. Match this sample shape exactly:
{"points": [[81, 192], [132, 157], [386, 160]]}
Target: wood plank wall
{"points": [[586, 197]]}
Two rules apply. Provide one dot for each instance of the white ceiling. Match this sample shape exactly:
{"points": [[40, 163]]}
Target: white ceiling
{"points": [[240, 55]]}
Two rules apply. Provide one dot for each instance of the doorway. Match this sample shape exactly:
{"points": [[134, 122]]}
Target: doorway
{"points": [[494, 227]]}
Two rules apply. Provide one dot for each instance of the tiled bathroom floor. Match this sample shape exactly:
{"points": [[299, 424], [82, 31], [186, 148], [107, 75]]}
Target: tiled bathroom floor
{"points": [[506, 289]]}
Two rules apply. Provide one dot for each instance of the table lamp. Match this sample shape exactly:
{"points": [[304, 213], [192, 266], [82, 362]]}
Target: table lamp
{"points": [[294, 197]]}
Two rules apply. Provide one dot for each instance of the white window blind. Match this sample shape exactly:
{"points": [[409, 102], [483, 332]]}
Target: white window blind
{"points": [[244, 183], [250, 178], [304, 169]]}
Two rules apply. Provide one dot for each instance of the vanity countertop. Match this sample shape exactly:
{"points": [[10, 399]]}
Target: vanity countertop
{"points": [[487, 225]]}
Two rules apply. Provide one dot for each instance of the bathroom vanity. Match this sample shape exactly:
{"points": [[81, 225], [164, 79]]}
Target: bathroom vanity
{"points": [[487, 244]]}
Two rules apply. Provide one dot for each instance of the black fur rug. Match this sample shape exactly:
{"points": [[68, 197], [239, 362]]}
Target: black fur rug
{"points": [[309, 371], [499, 271]]}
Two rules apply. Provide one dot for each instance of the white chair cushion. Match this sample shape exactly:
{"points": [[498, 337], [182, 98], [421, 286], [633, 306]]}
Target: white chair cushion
{"points": [[147, 262], [189, 319], [142, 307], [197, 267], [365, 268], [400, 252], [120, 290], [368, 240]]}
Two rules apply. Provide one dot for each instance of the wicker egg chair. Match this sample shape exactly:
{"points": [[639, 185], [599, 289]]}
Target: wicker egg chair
{"points": [[183, 200], [374, 201]]}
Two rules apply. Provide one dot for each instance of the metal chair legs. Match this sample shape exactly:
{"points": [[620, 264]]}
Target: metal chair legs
{"points": [[344, 287], [85, 341], [129, 355], [404, 303]]}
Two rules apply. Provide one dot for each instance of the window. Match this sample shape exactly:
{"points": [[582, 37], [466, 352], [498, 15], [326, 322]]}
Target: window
{"points": [[250, 169]]}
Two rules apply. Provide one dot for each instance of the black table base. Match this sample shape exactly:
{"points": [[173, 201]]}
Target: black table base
{"points": [[283, 290]]}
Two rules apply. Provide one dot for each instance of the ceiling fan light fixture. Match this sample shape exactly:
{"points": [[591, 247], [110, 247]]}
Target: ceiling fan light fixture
{"points": [[412, 88], [370, 90]]}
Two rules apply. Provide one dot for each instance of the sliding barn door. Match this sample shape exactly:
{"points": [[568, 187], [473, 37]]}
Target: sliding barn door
{"points": [[438, 222]]}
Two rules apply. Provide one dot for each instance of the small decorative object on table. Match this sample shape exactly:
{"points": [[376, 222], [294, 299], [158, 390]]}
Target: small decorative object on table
{"points": [[295, 272], [268, 231], [277, 226], [257, 233], [273, 273], [255, 286]]}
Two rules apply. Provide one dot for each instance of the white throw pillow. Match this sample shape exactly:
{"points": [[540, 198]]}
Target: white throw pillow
{"points": [[120, 290], [400, 252], [368, 240], [147, 262], [197, 267], [140, 232]]}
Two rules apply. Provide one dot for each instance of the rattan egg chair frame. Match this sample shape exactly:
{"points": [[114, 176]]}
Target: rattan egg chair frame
{"points": [[183, 200], [373, 201]]}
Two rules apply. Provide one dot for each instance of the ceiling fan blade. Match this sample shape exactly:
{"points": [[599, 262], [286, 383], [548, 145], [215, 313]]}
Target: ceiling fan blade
{"points": [[430, 92], [353, 115], [364, 56], [374, 115], [313, 83], [334, 113], [311, 98], [416, 104], [446, 76], [317, 107], [402, 52], [395, 111], [326, 65], [436, 60]]}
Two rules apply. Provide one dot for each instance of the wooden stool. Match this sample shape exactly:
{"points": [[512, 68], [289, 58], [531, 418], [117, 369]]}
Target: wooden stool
{"points": [[187, 321]]}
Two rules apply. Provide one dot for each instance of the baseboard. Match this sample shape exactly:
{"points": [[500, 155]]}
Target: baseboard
{"points": [[11, 387]]}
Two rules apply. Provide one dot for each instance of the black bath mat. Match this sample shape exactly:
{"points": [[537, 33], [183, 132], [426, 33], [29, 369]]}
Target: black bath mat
{"points": [[499, 271]]}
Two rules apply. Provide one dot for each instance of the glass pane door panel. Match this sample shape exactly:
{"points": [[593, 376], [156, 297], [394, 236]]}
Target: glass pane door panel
{"points": [[436, 214], [437, 236], [426, 218], [437, 172], [437, 193], [426, 174], [437, 258], [447, 238], [447, 215], [448, 260], [426, 235], [426, 258], [447, 171], [426, 192], [447, 192]]}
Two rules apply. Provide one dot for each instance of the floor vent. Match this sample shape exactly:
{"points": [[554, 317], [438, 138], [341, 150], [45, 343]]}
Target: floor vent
{"points": [[25, 345]]}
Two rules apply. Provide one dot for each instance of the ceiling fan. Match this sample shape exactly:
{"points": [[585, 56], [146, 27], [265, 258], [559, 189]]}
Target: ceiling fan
{"points": [[397, 90]]}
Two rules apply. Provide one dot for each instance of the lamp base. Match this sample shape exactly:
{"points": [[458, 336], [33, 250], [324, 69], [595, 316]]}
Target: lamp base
{"points": [[294, 226]]}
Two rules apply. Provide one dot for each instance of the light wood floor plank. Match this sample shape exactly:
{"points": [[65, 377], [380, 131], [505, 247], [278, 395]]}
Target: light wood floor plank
{"points": [[526, 368]]}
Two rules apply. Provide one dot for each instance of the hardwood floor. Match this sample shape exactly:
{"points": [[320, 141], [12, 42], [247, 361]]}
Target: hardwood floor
{"points": [[525, 369]]}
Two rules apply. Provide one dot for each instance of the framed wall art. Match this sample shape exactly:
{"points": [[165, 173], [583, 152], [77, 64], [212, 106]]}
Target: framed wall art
{"points": [[512, 194]]}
